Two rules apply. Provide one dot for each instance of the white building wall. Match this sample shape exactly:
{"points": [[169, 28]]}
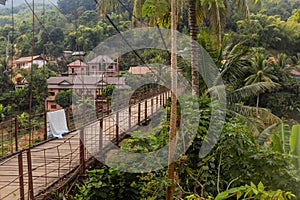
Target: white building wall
{"points": [[40, 63]]}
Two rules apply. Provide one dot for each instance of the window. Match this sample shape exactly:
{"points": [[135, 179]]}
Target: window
{"points": [[52, 93], [82, 68], [53, 106], [73, 71], [110, 67]]}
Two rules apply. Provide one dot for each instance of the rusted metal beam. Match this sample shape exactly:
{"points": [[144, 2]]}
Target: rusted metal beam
{"points": [[139, 114], [117, 127], [82, 153], [21, 178], [16, 134], [45, 126], [146, 114], [101, 135], [30, 179], [129, 117]]}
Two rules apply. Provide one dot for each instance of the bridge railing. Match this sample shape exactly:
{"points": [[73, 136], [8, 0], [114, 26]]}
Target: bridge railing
{"points": [[56, 162], [19, 133], [39, 168]]}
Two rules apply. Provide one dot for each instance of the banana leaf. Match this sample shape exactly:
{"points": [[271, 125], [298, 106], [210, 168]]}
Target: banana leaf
{"points": [[295, 144]]}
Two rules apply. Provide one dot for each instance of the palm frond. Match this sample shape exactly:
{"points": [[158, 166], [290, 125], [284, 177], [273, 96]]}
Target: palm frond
{"points": [[236, 58], [264, 115], [251, 122], [251, 90]]}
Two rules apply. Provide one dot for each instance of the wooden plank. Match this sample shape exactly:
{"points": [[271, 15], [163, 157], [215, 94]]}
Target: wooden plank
{"points": [[52, 160]]}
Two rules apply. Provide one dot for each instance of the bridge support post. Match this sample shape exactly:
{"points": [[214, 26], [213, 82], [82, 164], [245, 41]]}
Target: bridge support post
{"points": [[16, 134], [129, 117], [146, 107], [160, 100], [45, 126], [82, 153], [101, 135], [30, 179], [139, 114], [21, 177], [152, 106], [117, 127]]}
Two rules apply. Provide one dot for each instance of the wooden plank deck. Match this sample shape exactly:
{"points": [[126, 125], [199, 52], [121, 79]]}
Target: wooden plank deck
{"points": [[54, 159]]}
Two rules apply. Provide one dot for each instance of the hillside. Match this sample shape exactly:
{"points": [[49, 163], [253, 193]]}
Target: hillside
{"points": [[20, 2]]}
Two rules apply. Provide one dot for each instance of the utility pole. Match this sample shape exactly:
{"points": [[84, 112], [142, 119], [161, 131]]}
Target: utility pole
{"points": [[173, 117]]}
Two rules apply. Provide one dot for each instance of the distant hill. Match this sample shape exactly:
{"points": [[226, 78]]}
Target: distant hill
{"points": [[20, 2]]}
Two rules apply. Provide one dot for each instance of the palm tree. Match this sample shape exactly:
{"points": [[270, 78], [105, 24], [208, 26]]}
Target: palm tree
{"points": [[137, 13], [105, 5], [233, 60], [193, 35], [246, 113], [250, 114], [283, 67], [259, 71], [214, 10], [173, 117]]}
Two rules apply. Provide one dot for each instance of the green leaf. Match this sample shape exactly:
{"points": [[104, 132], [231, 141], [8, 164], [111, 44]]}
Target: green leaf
{"points": [[261, 140], [261, 186], [295, 144], [239, 194], [222, 195], [284, 135]]}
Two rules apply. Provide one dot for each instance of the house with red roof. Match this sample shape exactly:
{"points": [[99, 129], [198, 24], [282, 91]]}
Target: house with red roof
{"points": [[77, 67]]}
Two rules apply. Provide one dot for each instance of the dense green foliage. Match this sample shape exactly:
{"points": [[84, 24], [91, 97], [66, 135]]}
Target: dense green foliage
{"points": [[64, 98], [236, 161], [108, 90], [257, 55]]}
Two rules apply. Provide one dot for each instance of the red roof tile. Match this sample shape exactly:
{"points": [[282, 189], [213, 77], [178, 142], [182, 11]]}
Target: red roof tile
{"points": [[77, 63]]}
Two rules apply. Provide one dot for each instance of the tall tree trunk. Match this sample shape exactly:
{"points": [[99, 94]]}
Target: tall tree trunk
{"points": [[137, 14], [194, 53], [173, 117], [219, 28]]}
